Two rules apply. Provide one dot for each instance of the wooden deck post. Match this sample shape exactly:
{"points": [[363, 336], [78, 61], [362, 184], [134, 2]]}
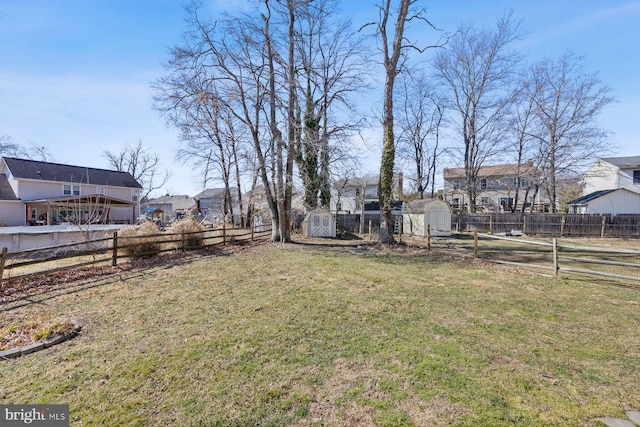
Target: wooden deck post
{"points": [[114, 248], [3, 259], [475, 244]]}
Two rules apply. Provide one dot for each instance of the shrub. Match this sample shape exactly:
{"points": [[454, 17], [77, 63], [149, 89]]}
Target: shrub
{"points": [[141, 240], [192, 229]]}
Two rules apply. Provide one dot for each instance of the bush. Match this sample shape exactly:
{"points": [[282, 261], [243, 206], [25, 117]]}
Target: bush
{"points": [[192, 229], [141, 240]]}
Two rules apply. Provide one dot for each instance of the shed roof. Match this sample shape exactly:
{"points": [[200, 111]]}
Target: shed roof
{"points": [[591, 196], [45, 171]]}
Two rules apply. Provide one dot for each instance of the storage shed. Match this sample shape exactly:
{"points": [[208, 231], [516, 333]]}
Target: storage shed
{"points": [[320, 223], [418, 214]]}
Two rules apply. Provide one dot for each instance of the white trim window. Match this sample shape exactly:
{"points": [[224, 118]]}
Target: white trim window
{"points": [[134, 195], [70, 190], [100, 191]]}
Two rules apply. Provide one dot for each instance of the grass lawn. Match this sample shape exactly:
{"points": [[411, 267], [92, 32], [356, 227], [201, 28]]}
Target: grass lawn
{"points": [[324, 333]]}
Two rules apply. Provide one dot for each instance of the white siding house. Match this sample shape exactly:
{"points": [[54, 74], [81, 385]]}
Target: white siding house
{"points": [[613, 173]]}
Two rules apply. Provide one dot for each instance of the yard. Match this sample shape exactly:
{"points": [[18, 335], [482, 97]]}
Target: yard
{"points": [[324, 332]]}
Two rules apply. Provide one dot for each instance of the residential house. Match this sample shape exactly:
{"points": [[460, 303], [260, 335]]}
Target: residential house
{"points": [[43, 193], [613, 173], [610, 186], [350, 195], [497, 188], [169, 208]]}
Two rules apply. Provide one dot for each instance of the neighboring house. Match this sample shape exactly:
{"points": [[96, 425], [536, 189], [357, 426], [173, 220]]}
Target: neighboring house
{"points": [[169, 208], [613, 173], [43, 193], [211, 203], [497, 187], [610, 186], [348, 196], [614, 202]]}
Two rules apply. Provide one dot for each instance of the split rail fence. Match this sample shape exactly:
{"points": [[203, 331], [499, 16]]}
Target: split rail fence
{"points": [[108, 251], [551, 258]]}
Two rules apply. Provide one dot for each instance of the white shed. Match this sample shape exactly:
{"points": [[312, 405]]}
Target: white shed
{"points": [[418, 214], [320, 223]]}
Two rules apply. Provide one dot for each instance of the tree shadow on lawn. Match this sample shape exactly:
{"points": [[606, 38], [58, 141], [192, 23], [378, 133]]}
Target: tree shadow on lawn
{"points": [[39, 288]]}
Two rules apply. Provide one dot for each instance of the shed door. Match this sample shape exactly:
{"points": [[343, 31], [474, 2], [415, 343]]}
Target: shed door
{"points": [[321, 226]]}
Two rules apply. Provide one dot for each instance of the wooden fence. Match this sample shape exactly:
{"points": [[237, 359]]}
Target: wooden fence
{"points": [[557, 258], [557, 225], [107, 251]]}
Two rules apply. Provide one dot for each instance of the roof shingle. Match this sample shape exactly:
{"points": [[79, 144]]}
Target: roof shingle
{"points": [[36, 170]]}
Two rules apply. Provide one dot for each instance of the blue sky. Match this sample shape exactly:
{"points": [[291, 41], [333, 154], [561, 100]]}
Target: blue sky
{"points": [[75, 74]]}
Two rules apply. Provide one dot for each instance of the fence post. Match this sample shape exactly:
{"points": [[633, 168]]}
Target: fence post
{"points": [[428, 237], [224, 233], [555, 258], [253, 225], [114, 246], [370, 222], [475, 244], [562, 226], [3, 259], [490, 223], [183, 243], [604, 221], [524, 223]]}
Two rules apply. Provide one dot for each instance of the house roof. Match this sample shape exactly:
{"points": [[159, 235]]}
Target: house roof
{"points": [[591, 196], [210, 193], [177, 202], [494, 170], [45, 171], [6, 192], [624, 162]]}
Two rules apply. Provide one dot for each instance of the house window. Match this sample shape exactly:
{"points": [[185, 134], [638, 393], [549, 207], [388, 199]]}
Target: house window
{"points": [[506, 202], [134, 196], [456, 203], [483, 183], [636, 177], [69, 190], [524, 183], [484, 200], [456, 185], [100, 191]]}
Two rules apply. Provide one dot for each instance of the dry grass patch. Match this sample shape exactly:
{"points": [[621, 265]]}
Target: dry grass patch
{"points": [[328, 333]]}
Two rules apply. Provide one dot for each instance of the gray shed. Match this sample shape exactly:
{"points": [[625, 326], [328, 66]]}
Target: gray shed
{"points": [[320, 223], [417, 214]]}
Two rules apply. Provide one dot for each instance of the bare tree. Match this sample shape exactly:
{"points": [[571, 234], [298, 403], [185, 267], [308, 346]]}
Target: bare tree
{"points": [[392, 52], [142, 164], [420, 119], [477, 68], [33, 152], [567, 101], [332, 70]]}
